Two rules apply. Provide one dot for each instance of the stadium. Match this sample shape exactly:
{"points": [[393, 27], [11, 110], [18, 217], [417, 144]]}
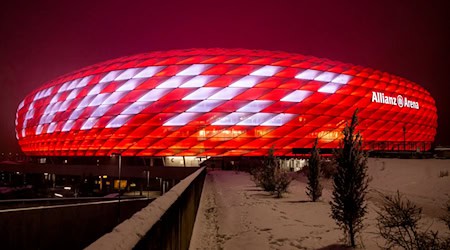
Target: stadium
{"points": [[221, 102]]}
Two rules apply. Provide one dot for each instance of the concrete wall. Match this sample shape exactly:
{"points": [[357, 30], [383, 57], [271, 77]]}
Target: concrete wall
{"points": [[166, 223], [63, 226]]}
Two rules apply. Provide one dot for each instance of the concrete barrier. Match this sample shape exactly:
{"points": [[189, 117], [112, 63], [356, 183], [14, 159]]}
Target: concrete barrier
{"points": [[166, 223], [71, 226]]}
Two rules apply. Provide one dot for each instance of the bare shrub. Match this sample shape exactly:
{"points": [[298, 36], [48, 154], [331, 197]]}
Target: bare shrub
{"points": [[398, 223], [443, 173]]}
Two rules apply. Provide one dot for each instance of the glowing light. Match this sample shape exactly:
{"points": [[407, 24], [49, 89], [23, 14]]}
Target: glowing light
{"points": [[296, 96]]}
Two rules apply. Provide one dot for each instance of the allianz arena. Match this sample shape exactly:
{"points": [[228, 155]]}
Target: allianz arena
{"points": [[221, 102]]}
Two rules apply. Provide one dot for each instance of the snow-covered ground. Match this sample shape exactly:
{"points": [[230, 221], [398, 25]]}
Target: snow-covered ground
{"points": [[235, 214]]}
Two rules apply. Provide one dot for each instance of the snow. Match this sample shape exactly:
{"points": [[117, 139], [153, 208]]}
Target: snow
{"points": [[235, 214]]}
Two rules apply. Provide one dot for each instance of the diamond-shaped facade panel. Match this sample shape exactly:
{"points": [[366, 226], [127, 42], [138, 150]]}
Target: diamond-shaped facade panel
{"points": [[209, 102]]}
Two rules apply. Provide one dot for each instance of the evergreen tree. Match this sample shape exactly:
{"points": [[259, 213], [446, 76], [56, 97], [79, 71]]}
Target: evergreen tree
{"points": [[314, 189], [348, 205]]}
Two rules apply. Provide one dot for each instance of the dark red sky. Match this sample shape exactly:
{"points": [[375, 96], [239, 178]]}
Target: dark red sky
{"points": [[40, 40]]}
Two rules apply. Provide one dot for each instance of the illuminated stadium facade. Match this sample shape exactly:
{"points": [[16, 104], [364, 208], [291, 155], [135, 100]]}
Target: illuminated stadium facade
{"points": [[221, 102]]}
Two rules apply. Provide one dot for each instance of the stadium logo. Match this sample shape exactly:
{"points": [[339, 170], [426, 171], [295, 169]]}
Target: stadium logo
{"points": [[400, 101]]}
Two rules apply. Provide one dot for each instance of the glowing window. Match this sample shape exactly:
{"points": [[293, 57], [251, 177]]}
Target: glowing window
{"points": [[68, 125], [154, 95], [342, 79], [149, 72], [128, 74], [227, 93], [325, 77], [256, 119], [267, 71], [111, 76], [247, 81], [329, 88], [197, 82], [231, 119], [296, 96], [118, 121], [181, 119], [205, 106], [172, 82], [135, 108], [194, 70], [308, 74], [130, 84], [89, 123], [255, 106], [202, 93], [279, 120]]}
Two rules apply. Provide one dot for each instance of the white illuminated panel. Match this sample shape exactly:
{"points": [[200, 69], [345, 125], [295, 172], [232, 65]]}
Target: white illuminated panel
{"points": [[21, 104], [172, 82], [111, 76], [63, 87], [342, 79], [154, 95], [202, 93], [198, 81], [118, 121], [89, 123], [194, 70], [256, 119], [51, 127], [135, 108], [247, 81], [205, 106], [267, 71], [255, 106], [55, 98], [128, 74], [55, 108], [279, 120], [38, 129], [85, 102], [130, 84], [64, 105], [231, 119], [68, 126], [76, 113], [99, 99], [73, 84], [97, 89], [149, 72], [84, 81], [73, 94], [114, 98], [308, 74], [227, 93], [100, 110], [329, 88], [325, 77], [296, 96], [181, 119]]}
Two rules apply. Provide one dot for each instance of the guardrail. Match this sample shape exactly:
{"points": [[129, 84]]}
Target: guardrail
{"points": [[166, 223]]}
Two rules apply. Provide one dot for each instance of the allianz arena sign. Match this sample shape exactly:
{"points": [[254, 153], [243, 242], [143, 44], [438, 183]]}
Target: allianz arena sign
{"points": [[399, 101]]}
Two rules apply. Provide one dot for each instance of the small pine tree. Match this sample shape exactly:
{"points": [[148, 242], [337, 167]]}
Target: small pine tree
{"points": [[314, 189], [348, 205], [266, 177]]}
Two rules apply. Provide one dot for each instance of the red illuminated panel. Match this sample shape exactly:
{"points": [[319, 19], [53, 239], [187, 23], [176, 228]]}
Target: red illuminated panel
{"points": [[210, 102]]}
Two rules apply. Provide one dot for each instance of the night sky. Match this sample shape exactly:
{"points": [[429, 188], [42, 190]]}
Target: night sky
{"points": [[41, 40]]}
